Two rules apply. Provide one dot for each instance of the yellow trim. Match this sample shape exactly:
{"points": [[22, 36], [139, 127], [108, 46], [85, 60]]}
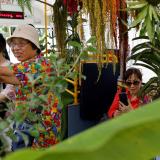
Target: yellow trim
{"points": [[106, 58], [75, 92], [46, 21]]}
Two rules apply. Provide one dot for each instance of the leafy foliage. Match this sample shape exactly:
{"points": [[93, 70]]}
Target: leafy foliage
{"points": [[153, 2], [24, 3], [125, 137], [55, 83], [148, 17], [62, 68], [148, 55]]}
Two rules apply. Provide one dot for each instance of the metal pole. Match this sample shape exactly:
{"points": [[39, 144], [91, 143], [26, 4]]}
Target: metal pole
{"points": [[46, 24]]}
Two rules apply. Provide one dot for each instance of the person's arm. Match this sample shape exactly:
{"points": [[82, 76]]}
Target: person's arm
{"points": [[7, 76], [3, 98], [114, 107], [8, 93], [6, 71]]}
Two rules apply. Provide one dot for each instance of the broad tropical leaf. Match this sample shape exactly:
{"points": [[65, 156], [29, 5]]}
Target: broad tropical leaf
{"points": [[140, 17], [147, 19], [152, 87], [131, 136], [147, 54], [24, 3]]}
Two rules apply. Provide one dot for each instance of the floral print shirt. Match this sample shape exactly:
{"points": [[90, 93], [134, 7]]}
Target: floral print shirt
{"points": [[28, 73]]}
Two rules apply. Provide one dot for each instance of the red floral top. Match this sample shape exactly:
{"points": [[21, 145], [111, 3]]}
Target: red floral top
{"points": [[28, 74]]}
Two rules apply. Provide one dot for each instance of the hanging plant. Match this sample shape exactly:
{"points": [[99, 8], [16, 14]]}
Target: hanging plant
{"points": [[60, 24]]}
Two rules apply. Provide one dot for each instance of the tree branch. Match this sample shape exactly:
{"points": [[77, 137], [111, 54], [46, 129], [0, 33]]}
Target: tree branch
{"points": [[48, 4]]}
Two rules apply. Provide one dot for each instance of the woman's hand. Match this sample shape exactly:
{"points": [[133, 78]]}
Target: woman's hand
{"points": [[117, 113], [123, 108]]}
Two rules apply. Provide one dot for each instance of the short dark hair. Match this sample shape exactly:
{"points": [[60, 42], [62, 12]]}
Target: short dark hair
{"points": [[131, 71], [3, 47], [2, 43], [35, 48]]}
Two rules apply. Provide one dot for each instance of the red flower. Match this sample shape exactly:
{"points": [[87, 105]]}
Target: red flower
{"points": [[47, 123], [47, 113], [72, 6]]}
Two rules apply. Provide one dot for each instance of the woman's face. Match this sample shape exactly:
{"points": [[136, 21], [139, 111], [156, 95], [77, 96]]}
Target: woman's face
{"points": [[134, 84], [22, 49]]}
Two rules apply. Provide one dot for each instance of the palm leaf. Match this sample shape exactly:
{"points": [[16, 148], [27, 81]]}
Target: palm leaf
{"points": [[141, 37], [140, 54], [149, 86], [24, 3], [147, 66], [28, 5], [149, 27], [136, 4], [140, 17], [140, 46], [151, 59], [152, 87]]}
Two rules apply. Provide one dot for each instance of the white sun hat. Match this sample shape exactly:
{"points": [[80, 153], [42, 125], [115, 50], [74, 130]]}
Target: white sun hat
{"points": [[27, 32]]}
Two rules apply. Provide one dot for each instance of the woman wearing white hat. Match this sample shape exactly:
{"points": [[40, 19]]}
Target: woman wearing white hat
{"points": [[24, 44]]}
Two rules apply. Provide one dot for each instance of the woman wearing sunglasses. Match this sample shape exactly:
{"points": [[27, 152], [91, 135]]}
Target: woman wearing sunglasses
{"points": [[133, 81]]}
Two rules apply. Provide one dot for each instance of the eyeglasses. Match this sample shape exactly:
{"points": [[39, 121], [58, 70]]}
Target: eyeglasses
{"points": [[19, 45], [135, 83]]}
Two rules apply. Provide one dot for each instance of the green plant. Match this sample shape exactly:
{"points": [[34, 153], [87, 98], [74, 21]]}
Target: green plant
{"points": [[123, 138], [24, 3], [148, 17], [147, 52], [56, 83], [62, 68]]}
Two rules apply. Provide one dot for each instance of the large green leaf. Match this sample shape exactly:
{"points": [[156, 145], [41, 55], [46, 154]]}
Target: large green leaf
{"points": [[24, 3], [140, 17], [132, 136], [144, 45], [141, 37], [149, 27], [136, 4], [147, 19], [152, 60], [145, 65], [151, 85]]}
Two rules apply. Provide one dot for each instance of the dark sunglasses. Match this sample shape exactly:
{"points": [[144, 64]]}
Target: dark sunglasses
{"points": [[135, 83]]}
